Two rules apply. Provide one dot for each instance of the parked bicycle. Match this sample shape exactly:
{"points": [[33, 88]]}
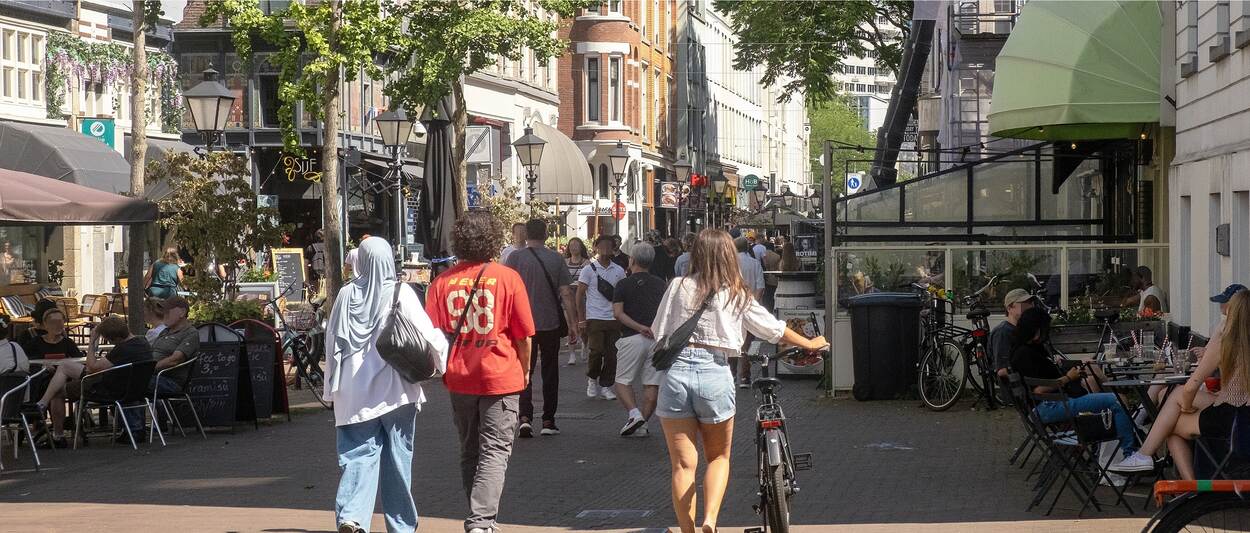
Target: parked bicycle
{"points": [[303, 344], [776, 463], [948, 352], [1212, 505]]}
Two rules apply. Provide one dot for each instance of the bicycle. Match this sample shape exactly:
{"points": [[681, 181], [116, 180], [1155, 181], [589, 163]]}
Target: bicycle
{"points": [[1211, 505], [776, 464], [950, 351], [300, 344]]}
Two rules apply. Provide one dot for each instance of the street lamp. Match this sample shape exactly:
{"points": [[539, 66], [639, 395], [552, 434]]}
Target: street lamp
{"points": [[619, 157], [682, 167], [209, 104], [787, 198], [530, 149], [718, 192], [395, 128], [759, 194]]}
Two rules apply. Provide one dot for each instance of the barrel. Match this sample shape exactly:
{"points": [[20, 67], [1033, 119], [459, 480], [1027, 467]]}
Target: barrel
{"points": [[795, 290]]}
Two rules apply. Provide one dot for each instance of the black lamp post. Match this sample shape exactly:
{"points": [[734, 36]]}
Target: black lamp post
{"points": [[619, 157], [718, 192], [530, 149], [759, 194], [682, 168], [209, 104], [395, 127]]}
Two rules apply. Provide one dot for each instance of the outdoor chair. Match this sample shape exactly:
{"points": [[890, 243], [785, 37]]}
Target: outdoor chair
{"points": [[134, 396], [166, 400], [15, 387], [1053, 460], [1225, 456], [95, 306], [14, 307]]}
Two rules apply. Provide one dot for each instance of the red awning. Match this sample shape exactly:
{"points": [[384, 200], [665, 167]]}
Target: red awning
{"points": [[27, 199]]}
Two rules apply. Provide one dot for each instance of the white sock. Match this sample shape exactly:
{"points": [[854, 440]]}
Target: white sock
{"points": [[635, 413]]}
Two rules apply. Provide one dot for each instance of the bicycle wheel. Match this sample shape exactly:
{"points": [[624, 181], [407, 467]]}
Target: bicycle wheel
{"points": [[314, 377], [1208, 512], [777, 502], [942, 375]]}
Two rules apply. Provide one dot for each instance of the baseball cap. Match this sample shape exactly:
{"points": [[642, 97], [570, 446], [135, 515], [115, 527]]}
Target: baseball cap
{"points": [[1015, 296], [1223, 297]]}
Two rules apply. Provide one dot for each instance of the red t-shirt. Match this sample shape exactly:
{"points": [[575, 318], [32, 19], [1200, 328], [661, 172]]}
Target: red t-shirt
{"points": [[483, 360]]}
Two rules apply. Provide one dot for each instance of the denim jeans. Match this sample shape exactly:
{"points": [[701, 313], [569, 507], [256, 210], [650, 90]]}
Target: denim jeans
{"points": [[373, 449], [698, 385], [1049, 412]]}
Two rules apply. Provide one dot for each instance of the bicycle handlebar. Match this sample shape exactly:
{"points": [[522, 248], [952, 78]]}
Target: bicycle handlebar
{"points": [[794, 350]]}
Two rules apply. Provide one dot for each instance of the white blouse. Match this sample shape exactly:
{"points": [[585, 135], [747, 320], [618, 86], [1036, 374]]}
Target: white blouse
{"points": [[367, 386], [722, 325]]}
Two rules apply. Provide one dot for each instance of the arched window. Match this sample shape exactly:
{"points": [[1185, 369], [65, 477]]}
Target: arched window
{"points": [[604, 181]]}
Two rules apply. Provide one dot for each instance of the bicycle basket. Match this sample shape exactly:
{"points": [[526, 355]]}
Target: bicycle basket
{"points": [[300, 318]]}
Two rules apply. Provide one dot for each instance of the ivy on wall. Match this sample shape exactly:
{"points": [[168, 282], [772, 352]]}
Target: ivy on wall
{"points": [[70, 58]]}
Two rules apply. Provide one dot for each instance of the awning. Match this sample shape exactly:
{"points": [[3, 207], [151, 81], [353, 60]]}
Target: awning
{"points": [[563, 175], [1079, 70], [62, 154], [158, 149], [27, 199]]}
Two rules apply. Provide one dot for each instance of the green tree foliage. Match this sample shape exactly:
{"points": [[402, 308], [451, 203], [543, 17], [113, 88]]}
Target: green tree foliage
{"points": [[837, 121], [800, 42], [212, 213], [502, 200]]}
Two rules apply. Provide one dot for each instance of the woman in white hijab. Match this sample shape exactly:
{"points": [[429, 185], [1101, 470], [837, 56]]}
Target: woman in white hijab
{"points": [[374, 408]]}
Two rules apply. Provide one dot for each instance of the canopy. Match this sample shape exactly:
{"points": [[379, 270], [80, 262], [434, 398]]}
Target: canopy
{"points": [[27, 199], [563, 174], [1079, 70], [62, 154]]}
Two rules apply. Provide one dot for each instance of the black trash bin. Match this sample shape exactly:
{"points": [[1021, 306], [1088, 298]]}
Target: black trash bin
{"points": [[885, 341]]}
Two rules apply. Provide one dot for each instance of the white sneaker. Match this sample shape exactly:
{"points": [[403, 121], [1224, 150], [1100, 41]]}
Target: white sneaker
{"points": [[1112, 480], [1134, 463], [632, 425], [607, 393], [639, 434], [592, 388]]}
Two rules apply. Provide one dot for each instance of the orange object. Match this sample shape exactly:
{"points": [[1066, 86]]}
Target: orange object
{"points": [[1178, 487]]}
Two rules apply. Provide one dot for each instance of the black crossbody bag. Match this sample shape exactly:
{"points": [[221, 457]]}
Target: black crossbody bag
{"points": [[666, 350], [563, 329], [604, 288]]}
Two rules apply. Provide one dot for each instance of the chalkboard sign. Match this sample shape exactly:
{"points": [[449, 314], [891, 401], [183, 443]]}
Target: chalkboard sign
{"points": [[289, 264], [260, 354], [214, 386]]}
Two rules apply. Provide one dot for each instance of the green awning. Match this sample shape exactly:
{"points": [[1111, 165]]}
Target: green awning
{"points": [[1079, 70]]}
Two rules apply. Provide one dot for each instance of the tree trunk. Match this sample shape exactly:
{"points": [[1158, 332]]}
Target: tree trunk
{"points": [[138, 160], [330, 180], [460, 123]]}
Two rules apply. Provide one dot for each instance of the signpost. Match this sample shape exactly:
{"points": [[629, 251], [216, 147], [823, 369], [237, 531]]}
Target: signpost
{"points": [[100, 129], [854, 180], [618, 211]]}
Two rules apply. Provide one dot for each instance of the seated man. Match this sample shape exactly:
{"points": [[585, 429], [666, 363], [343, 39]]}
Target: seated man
{"points": [[66, 383], [1015, 303], [175, 344]]}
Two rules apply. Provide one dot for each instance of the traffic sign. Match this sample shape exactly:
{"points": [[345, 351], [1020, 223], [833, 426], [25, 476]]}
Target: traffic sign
{"points": [[618, 211], [854, 181]]}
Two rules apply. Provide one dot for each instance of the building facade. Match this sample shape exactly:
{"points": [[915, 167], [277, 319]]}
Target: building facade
{"points": [[1209, 193]]}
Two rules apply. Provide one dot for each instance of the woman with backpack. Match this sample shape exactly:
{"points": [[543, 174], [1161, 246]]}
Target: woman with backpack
{"points": [[374, 407]]}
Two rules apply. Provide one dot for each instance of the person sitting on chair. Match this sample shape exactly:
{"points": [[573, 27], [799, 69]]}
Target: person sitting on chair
{"points": [[178, 342]]}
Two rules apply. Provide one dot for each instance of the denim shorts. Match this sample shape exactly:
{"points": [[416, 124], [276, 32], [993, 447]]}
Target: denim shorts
{"points": [[698, 385]]}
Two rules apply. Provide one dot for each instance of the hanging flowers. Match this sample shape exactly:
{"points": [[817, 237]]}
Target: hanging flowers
{"points": [[110, 64]]}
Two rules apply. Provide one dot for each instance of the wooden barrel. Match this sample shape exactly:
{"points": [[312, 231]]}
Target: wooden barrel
{"points": [[795, 290]]}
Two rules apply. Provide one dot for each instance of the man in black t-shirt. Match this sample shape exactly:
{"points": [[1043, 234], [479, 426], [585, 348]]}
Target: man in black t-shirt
{"points": [[634, 304]]}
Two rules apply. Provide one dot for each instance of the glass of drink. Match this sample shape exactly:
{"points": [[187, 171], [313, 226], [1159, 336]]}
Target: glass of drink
{"points": [[1148, 339], [1109, 351], [1213, 384]]}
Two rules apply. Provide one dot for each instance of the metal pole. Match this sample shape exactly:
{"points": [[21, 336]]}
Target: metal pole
{"points": [[399, 203], [616, 200], [831, 258], [531, 179]]}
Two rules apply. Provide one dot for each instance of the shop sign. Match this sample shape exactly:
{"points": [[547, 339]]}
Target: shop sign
{"points": [[805, 246], [750, 182], [300, 167], [100, 129], [669, 195]]}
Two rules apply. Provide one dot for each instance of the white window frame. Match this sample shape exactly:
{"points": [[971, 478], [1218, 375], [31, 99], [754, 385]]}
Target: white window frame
{"points": [[27, 73], [655, 100], [616, 89], [644, 101], [598, 88], [616, 7]]}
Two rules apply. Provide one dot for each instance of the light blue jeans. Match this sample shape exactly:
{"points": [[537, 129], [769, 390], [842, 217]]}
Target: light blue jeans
{"points": [[367, 450], [1094, 402], [698, 385]]}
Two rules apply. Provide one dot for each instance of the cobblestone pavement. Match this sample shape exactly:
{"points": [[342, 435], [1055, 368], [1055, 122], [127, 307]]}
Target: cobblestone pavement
{"points": [[879, 466]]}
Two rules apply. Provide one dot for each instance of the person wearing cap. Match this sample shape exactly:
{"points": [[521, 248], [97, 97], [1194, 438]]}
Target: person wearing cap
{"points": [[178, 342], [1213, 340], [1016, 303]]}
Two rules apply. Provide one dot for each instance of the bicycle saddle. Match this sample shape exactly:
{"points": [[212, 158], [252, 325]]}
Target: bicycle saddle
{"points": [[766, 383], [978, 314]]}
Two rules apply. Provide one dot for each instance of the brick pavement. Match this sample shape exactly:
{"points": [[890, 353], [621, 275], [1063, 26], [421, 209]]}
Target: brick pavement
{"points": [[880, 466]]}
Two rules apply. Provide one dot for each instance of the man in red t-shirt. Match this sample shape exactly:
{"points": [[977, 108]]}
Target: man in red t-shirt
{"points": [[484, 372]]}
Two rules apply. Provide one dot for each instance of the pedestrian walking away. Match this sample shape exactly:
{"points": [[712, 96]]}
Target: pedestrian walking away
{"points": [[596, 324], [697, 397], [753, 275], [634, 304], [488, 364], [374, 407], [548, 284]]}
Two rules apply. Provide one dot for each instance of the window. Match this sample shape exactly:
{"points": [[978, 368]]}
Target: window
{"points": [[270, 7], [614, 6], [616, 95], [668, 86], [642, 18], [872, 71], [592, 89], [659, 22], [1189, 56], [861, 70], [267, 101], [655, 108], [859, 87], [93, 99], [1222, 43], [643, 83], [21, 65], [604, 181]]}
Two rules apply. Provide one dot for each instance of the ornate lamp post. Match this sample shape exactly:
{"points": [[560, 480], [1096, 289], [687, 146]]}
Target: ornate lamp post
{"points": [[395, 127], [530, 149], [718, 192], [209, 104], [619, 157], [682, 168]]}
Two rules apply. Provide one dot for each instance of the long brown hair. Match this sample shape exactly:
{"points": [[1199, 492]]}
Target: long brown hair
{"points": [[714, 266], [582, 250], [789, 260], [1235, 340]]}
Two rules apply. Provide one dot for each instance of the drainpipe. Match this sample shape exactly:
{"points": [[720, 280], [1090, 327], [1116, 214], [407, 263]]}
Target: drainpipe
{"points": [[902, 102]]}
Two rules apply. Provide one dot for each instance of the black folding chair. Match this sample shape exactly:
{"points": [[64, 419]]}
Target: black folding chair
{"points": [[134, 396], [14, 387], [165, 400], [1225, 456]]}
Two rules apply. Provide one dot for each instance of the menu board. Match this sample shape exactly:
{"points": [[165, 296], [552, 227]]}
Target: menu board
{"points": [[214, 389], [289, 264]]}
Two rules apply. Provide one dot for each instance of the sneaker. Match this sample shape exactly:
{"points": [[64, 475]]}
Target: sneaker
{"points": [[632, 425], [592, 389], [549, 428], [744, 384], [1141, 417], [1112, 480], [1134, 463], [526, 430], [480, 530], [607, 393], [572, 359], [642, 432], [351, 527]]}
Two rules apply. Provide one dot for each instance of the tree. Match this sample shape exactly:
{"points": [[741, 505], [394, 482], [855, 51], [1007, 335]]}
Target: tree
{"points": [[837, 121], [423, 47], [144, 14], [213, 213], [803, 42]]}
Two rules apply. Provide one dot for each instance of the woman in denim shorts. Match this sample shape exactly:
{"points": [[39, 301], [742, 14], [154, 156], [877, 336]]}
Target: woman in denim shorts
{"points": [[697, 392]]}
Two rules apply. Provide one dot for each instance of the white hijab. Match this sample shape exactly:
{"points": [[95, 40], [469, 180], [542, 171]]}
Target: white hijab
{"points": [[361, 304]]}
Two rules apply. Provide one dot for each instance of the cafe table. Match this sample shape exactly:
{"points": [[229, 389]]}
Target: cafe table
{"points": [[55, 362], [1142, 386]]}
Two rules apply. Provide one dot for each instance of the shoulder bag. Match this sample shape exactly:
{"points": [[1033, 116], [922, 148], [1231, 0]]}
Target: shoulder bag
{"points": [[563, 329], [606, 289], [670, 346], [402, 345]]}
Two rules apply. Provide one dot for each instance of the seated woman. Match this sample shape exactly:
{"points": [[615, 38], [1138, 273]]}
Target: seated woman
{"points": [[1195, 411], [1030, 359]]}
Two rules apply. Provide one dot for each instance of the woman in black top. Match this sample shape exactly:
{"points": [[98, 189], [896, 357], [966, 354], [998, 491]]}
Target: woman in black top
{"points": [[1031, 359], [53, 344]]}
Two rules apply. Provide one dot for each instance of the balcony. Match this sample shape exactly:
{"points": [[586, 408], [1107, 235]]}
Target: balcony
{"points": [[977, 25]]}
